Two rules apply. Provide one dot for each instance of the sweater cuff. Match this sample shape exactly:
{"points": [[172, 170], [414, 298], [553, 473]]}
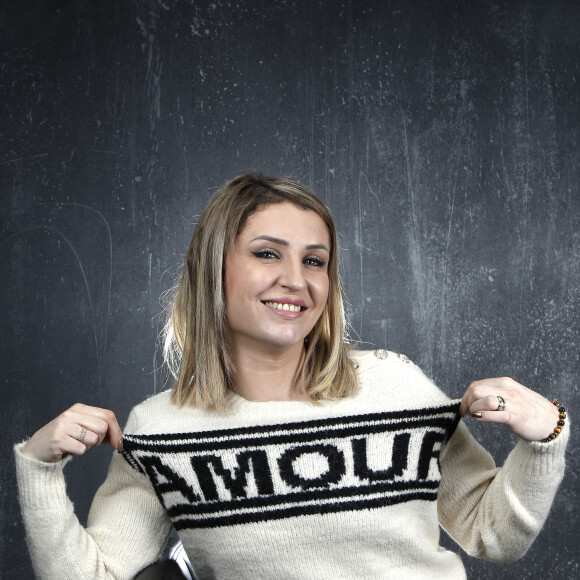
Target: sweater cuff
{"points": [[41, 485], [544, 458]]}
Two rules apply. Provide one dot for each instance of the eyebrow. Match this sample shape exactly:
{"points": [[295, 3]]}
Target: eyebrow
{"points": [[281, 242]]}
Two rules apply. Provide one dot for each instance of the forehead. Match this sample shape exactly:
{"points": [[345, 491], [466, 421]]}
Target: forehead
{"points": [[287, 221]]}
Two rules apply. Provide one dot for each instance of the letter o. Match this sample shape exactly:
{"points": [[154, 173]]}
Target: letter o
{"points": [[336, 466]]}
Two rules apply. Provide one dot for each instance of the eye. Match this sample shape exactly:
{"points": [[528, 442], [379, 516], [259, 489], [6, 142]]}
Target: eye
{"points": [[266, 254], [314, 261]]}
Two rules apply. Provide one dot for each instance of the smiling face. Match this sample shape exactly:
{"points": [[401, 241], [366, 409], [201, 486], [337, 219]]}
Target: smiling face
{"points": [[276, 278]]}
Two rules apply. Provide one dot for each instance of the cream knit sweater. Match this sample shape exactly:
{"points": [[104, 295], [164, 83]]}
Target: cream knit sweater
{"points": [[352, 489]]}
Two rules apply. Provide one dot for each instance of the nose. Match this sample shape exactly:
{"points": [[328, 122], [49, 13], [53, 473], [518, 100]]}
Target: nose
{"points": [[292, 275]]}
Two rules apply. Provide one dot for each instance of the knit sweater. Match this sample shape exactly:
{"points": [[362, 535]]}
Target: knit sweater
{"points": [[351, 489]]}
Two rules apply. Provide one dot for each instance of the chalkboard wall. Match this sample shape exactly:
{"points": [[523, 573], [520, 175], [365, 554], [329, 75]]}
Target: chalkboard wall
{"points": [[444, 136]]}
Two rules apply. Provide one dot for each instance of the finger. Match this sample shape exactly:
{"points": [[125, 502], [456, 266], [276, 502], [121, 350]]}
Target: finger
{"points": [[65, 441], [486, 388], [101, 421], [86, 428], [475, 391], [71, 446], [501, 417], [469, 396], [114, 434], [464, 406], [488, 403], [85, 436]]}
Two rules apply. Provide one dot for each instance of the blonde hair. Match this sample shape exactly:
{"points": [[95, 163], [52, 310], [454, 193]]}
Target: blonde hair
{"points": [[196, 347]]}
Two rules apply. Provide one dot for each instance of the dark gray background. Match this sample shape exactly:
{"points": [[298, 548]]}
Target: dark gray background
{"points": [[444, 135]]}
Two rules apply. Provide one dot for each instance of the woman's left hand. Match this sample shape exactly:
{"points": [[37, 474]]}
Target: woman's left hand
{"points": [[526, 413]]}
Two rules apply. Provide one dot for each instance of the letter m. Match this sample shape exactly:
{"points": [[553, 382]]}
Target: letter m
{"points": [[208, 467]]}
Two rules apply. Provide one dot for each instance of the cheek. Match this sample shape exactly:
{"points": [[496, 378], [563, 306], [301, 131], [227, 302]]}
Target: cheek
{"points": [[322, 288], [242, 284], [231, 280], [235, 274]]}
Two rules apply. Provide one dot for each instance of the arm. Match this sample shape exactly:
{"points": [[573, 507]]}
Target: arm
{"points": [[127, 526], [497, 513]]}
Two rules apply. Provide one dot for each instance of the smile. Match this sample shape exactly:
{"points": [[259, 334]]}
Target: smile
{"points": [[281, 306]]}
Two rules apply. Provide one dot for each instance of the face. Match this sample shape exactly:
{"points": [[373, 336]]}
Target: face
{"points": [[276, 278]]}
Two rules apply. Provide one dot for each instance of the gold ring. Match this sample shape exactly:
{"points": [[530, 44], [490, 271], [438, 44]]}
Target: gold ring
{"points": [[83, 433], [500, 403]]}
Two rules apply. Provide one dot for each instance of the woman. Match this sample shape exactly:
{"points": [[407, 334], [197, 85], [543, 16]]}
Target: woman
{"points": [[280, 452]]}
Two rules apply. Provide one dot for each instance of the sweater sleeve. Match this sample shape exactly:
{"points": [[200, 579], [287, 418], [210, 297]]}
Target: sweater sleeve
{"points": [[496, 513], [127, 526]]}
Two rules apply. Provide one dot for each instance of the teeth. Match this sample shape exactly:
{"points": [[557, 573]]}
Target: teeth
{"points": [[280, 306]]}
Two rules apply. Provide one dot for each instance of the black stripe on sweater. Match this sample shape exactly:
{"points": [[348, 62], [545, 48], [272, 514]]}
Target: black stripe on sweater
{"points": [[308, 510], [257, 473]]}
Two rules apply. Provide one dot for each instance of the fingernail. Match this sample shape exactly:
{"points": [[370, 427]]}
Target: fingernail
{"points": [[476, 415], [120, 446]]}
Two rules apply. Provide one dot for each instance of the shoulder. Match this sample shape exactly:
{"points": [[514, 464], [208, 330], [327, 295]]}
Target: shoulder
{"points": [[155, 412], [378, 357], [382, 360], [383, 373], [158, 414]]}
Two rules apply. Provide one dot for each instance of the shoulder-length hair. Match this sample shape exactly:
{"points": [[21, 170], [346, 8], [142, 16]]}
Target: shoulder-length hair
{"points": [[196, 346]]}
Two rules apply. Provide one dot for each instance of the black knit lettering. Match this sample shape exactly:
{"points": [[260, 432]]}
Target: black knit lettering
{"points": [[336, 466], [269, 472], [398, 459], [427, 452], [237, 481], [173, 482]]}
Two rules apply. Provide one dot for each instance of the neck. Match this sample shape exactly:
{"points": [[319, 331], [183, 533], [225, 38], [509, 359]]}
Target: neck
{"points": [[269, 376]]}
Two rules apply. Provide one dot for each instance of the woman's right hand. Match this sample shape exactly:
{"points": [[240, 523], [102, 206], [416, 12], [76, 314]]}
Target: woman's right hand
{"points": [[73, 432]]}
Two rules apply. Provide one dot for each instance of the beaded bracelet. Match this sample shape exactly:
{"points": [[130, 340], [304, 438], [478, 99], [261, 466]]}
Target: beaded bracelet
{"points": [[560, 425]]}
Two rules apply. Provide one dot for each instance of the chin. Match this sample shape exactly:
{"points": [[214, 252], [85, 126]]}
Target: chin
{"points": [[285, 341]]}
